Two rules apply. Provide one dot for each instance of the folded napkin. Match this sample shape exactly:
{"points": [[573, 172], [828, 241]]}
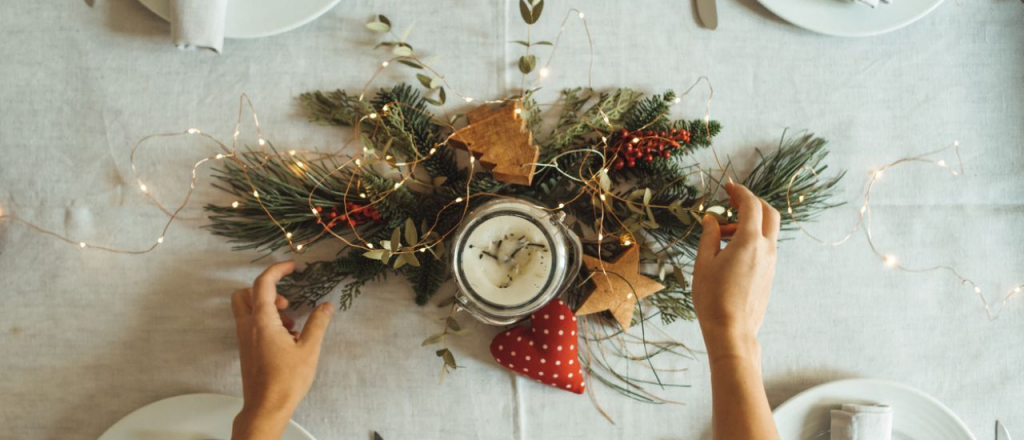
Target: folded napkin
{"points": [[873, 3], [198, 23], [862, 422]]}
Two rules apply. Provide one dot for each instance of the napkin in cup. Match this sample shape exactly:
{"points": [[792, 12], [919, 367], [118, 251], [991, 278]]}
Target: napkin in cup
{"points": [[198, 23], [862, 422]]}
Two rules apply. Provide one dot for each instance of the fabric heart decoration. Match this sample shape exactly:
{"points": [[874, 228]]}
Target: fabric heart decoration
{"points": [[545, 352]]}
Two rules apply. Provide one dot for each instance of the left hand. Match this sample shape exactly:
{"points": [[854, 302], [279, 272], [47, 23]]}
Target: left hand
{"points": [[278, 365]]}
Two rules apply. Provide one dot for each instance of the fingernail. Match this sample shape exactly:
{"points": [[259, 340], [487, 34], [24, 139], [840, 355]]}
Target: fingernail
{"points": [[328, 308]]}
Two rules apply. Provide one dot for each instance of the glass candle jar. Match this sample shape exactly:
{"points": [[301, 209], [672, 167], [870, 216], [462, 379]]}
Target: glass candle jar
{"points": [[510, 257]]}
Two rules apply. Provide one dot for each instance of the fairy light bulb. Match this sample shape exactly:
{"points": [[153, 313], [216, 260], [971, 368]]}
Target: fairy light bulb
{"points": [[890, 261], [359, 163], [315, 212], [878, 174], [544, 72], [581, 15], [977, 289], [941, 163], [603, 198], [291, 152], [193, 131], [300, 164], [433, 150], [468, 99], [472, 159], [256, 194], [234, 204], [678, 100], [700, 208], [1016, 289], [398, 185], [299, 247], [160, 240], [384, 64], [801, 198], [789, 209], [863, 209], [636, 140], [362, 195], [369, 245], [82, 244], [600, 236], [262, 142], [728, 213], [561, 205], [458, 200], [373, 116], [288, 235], [219, 156], [143, 187]]}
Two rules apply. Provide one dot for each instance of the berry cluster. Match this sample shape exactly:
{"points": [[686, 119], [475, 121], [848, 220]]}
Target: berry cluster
{"points": [[357, 214], [629, 147]]}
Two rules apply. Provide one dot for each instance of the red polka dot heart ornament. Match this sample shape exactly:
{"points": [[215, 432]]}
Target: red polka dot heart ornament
{"points": [[545, 352]]}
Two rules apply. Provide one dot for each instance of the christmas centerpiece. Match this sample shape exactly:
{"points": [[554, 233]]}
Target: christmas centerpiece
{"points": [[583, 218]]}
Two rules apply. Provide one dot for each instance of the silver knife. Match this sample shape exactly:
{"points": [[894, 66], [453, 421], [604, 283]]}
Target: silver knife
{"points": [[708, 13], [1001, 432]]}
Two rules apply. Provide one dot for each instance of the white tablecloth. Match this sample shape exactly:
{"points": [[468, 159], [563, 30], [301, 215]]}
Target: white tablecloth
{"points": [[86, 336]]}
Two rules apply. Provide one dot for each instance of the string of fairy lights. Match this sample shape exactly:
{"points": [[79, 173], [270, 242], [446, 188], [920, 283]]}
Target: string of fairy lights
{"points": [[891, 260], [355, 166]]}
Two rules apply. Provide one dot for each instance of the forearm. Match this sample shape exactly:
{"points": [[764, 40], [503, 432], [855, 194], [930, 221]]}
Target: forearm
{"points": [[259, 425], [740, 407]]}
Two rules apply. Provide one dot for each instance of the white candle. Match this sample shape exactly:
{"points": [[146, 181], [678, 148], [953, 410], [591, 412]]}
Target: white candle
{"points": [[507, 260]]}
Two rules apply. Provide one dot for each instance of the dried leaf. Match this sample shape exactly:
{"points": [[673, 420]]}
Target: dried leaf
{"points": [[522, 43], [449, 358], [538, 6], [411, 258], [374, 254], [678, 273], [411, 237], [441, 95], [543, 43], [384, 19], [400, 261], [377, 436], [606, 183], [453, 324]]}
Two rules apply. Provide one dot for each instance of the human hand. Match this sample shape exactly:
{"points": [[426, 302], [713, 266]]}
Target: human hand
{"points": [[278, 364], [731, 286]]}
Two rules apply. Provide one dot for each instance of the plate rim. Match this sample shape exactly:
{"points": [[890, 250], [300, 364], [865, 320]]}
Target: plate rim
{"points": [[878, 382], [768, 4], [162, 9], [225, 397]]}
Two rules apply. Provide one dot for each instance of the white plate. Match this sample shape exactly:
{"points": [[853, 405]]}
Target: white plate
{"points": [[916, 415], [258, 18], [850, 19], [188, 417]]}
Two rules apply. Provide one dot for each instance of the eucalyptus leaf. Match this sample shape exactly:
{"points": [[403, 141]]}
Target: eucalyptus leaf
{"points": [[367, 143], [432, 339], [538, 6], [411, 237], [378, 27], [400, 261], [446, 302], [411, 258], [524, 11], [374, 254], [441, 95], [405, 33], [527, 63], [412, 64], [402, 51], [453, 324], [425, 80], [433, 102], [396, 240], [606, 183]]}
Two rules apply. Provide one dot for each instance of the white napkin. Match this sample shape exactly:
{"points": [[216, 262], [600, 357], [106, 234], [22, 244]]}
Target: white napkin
{"points": [[198, 23], [873, 3], [862, 422]]}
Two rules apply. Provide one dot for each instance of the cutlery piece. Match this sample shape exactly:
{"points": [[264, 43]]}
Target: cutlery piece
{"points": [[708, 13], [1001, 432]]}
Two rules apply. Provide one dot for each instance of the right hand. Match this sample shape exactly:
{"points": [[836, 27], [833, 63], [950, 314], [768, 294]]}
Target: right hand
{"points": [[731, 286], [278, 365]]}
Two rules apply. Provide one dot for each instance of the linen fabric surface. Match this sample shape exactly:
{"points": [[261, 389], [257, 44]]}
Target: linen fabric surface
{"points": [[87, 337]]}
